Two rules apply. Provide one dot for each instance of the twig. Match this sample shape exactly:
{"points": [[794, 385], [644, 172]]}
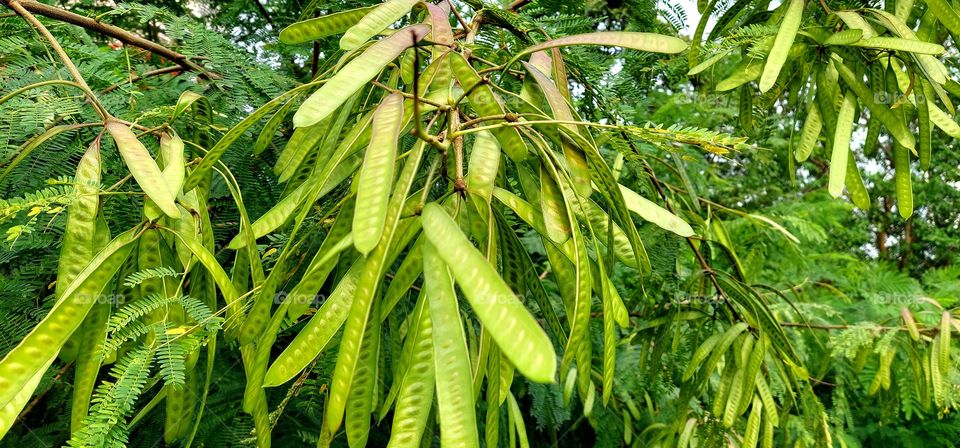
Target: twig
{"points": [[175, 69]]}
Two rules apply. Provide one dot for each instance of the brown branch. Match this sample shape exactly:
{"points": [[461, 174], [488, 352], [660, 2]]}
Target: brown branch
{"points": [[264, 13], [118, 33], [175, 69]]}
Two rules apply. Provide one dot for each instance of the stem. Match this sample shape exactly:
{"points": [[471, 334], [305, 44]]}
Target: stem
{"points": [[63, 82], [417, 123], [409, 96], [175, 69]]}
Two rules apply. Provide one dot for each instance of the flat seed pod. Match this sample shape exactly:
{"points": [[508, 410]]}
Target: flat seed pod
{"points": [[356, 74], [650, 42], [743, 73], [943, 349], [900, 44], [202, 170], [576, 162], [33, 353], [710, 62], [893, 124], [782, 43], [455, 404], [809, 133], [554, 209], [78, 246], [942, 120], [845, 37], [313, 338], [924, 129], [902, 180], [271, 127], [323, 26], [752, 434], [655, 214], [510, 324], [483, 166], [143, 168], [704, 350], [376, 174], [368, 286], [417, 384], [855, 186], [326, 179], [841, 144], [303, 141], [375, 21], [946, 15], [171, 153], [10, 411]]}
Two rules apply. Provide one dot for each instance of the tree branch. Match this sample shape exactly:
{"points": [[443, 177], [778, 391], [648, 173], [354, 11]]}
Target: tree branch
{"points": [[175, 69], [118, 33]]}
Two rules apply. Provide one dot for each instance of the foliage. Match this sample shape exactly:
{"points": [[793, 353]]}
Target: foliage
{"points": [[471, 221]]}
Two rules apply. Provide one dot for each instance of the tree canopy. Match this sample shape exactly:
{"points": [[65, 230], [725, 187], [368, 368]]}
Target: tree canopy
{"points": [[478, 223]]}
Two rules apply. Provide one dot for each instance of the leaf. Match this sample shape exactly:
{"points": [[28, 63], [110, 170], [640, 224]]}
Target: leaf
{"points": [[376, 174], [782, 43], [841, 144], [355, 74], [510, 324], [375, 21], [656, 214], [455, 407], [143, 168], [323, 26]]}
